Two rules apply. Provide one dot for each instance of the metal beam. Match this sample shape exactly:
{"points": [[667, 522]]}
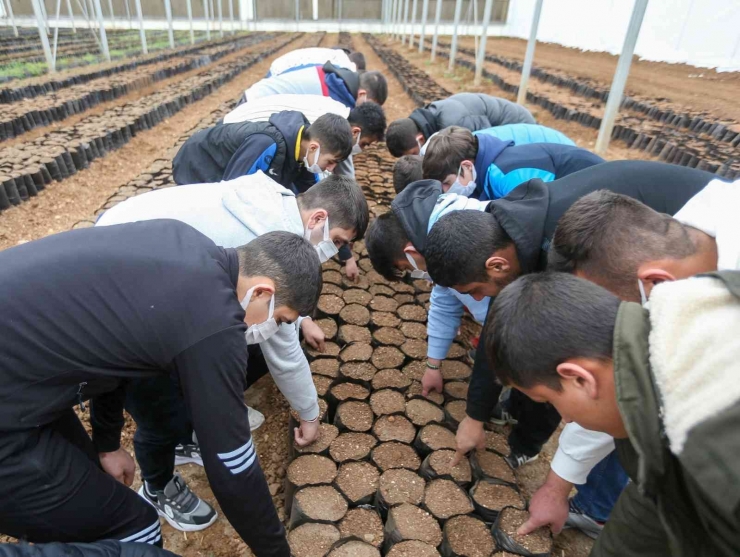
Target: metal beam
{"points": [[190, 20], [56, 32], [170, 30], [413, 22], [71, 16], [453, 47], [205, 15], [42, 35], [231, 16], [220, 18], [9, 11], [128, 14], [483, 39], [101, 24], [437, 17], [112, 16], [620, 76], [405, 21], [424, 16], [142, 33], [521, 96]]}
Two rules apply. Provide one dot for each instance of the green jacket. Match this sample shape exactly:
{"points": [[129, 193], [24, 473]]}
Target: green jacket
{"points": [[685, 505]]}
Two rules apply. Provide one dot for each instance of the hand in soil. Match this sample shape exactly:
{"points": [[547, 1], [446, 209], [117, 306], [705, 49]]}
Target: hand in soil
{"points": [[350, 268], [313, 334], [431, 381], [470, 435], [306, 433], [549, 506], [120, 465]]}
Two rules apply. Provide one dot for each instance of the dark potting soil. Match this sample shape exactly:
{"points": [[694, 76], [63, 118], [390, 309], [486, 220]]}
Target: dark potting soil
{"points": [[351, 446], [469, 537], [387, 401], [395, 455], [394, 428], [364, 524], [414, 330], [444, 499], [325, 366], [390, 336], [384, 319], [357, 480]]}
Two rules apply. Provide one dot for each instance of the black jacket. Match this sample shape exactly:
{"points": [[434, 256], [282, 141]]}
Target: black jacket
{"points": [[86, 310], [227, 151], [474, 111], [413, 207], [530, 213]]}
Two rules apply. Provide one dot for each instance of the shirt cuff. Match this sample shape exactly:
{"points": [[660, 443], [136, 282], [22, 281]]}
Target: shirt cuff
{"points": [[570, 469], [438, 347], [310, 414]]}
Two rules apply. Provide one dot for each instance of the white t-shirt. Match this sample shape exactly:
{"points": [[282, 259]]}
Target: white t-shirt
{"points": [[260, 110], [311, 56]]}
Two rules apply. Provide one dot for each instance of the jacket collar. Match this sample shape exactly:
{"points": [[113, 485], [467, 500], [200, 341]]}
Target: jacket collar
{"points": [[425, 121], [351, 79]]}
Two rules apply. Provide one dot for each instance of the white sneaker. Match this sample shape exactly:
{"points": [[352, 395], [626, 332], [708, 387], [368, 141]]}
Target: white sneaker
{"points": [[256, 418]]}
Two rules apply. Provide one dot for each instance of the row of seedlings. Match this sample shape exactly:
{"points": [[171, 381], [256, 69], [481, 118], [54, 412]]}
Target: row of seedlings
{"points": [[704, 145], [379, 480], [29, 167]]}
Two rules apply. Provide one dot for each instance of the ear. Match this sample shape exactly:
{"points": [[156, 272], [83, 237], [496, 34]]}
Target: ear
{"points": [[411, 249], [497, 265], [578, 377], [651, 275], [355, 131], [263, 290], [317, 217], [361, 96], [421, 139]]}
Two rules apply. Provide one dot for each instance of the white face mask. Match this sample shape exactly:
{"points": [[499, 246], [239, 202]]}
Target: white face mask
{"points": [[417, 273], [325, 248], [419, 144], [356, 149], [260, 332], [315, 168], [459, 189], [643, 296]]}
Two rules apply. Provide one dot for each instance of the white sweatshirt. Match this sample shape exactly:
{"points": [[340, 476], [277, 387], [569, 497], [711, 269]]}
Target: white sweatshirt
{"points": [[714, 210], [315, 56], [233, 213], [311, 106]]}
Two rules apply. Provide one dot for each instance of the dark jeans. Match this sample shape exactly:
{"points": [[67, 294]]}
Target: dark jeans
{"points": [[52, 489], [108, 548], [603, 487], [162, 421]]}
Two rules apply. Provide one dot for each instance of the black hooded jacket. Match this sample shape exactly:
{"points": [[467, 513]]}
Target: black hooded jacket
{"points": [[530, 213], [474, 111], [413, 207], [227, 151]]}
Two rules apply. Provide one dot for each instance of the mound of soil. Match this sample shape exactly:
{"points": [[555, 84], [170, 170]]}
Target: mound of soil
{"points": [[390, 336], [386, 357], [357, 480], [312, 540], [349, 391], [354, 333], [408, 522], [355, 314], [468, 537], [356, 352], [384, 319], [395, 455], [422, 412], [390, 378], [444, 499], [359, 371], [351, 446], [441, 464], [414, 330], [437, 437], [364, 524], [387, 401], [325, 366], [311, 470], [401, 486], [327, 434], [354, 416], [330, 304], [394, 428]]}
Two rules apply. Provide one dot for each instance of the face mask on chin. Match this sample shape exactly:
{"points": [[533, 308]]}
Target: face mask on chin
{"points": [[356, 149], [417, 273], [459, 189], [313, 168], [325, 248], [260, 332]]}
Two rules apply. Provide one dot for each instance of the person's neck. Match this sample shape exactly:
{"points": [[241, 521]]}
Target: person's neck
{"points": [[303, 149]]}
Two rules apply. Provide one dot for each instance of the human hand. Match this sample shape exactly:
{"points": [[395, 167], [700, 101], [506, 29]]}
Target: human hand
{"points": [[350, 268], [120, 465], [548, 506], [431, 381], [306, 433], [313, 334], [470, 435]]}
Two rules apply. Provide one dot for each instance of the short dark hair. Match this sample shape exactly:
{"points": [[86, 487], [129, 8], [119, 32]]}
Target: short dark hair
{"points": [[291, 262], [358, 59], [401, 136], [459, 244], [333, 132], [406, 170], [544, 319], [343, 199], [607, 236], [370, 117], [385, 241], [447, 150], [376, 86]]}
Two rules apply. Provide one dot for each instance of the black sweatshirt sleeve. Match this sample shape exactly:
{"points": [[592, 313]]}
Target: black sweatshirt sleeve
{"points": [[106, 419], [484, 390], [212, 376]]}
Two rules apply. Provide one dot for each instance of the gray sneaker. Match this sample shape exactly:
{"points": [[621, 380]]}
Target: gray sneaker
{"points": [[581, 521], [516, 460], [179, 506]]}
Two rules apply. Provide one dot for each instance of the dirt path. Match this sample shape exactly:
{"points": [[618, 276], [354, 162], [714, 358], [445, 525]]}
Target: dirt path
{"points": [[62, 204], [697, 88]]}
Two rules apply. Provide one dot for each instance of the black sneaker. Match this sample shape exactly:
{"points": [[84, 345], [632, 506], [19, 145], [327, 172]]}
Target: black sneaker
{"points": [[179, 506], [518, 460], [501, 416], [581, 521]]}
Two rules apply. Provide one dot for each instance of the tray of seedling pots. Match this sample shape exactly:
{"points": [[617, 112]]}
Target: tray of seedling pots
{"points": [[318, 503], [490, 497], [466, 536], [438, 464], [307, 470], [408, 522], [444, 499], [363, 523], [534, 544], [398, 486], [358, 481]]}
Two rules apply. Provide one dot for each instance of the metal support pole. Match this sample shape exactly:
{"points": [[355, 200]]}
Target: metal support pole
{"points": [[212, 13], [103, 36], [413, 22], [46, 16], [399, 34], [341, 9], [42, 35], [394, 20], [254, 15], [315, 9], [521, 96], [297, 13], [190, 20], [112, 15], [620, 77], [170, 30], [71, 16], [220, 19], [231, 15], [453, 47], [205, 15], [483, 39], [424, 16], [56, 32], [9, 11], [142, 33], [437, 17], [405, 21], [128, 14]]}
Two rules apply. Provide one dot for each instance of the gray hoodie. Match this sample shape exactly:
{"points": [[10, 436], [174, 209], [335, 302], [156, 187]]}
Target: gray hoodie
{"points": [[233, 213]]}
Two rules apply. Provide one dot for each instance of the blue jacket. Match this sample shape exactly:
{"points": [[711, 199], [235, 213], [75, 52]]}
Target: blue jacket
{"points": [[501, 166], [524, 134], [228, 151]]}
